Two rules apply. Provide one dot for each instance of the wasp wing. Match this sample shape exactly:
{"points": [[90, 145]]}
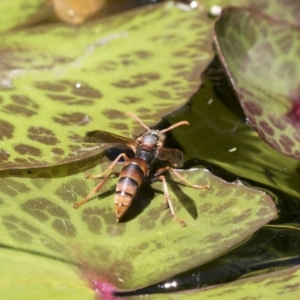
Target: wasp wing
{"points": [[100, 136], [173, 156]]}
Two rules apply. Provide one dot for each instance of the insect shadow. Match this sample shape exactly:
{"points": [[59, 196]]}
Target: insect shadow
{"points": [[185, 200]]}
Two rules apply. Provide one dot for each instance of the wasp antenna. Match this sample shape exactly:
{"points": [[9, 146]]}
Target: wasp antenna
{"points": [[137, 119], [175, 125]]}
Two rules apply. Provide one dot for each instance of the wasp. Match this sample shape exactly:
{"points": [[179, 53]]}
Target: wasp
{"points": [[148, 149]]}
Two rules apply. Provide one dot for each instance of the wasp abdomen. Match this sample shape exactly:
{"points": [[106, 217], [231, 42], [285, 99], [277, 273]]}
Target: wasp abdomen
{"points": [[130, 178]]}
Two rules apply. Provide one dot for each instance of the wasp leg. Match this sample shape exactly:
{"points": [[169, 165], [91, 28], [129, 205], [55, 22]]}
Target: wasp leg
{"points": [[122, 155], [94, 191], [182, 179], [97, 188], [168, 200]]}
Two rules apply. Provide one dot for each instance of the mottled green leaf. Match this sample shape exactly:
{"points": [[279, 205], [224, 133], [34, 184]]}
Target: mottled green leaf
{"points": [[285, 10], [29, 276], [260, 55], [278, 285], [19, 13], [58, 81], [149, 246]]}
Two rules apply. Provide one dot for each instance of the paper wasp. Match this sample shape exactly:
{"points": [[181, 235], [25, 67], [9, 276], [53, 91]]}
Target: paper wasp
{"points": [[148, 149]]}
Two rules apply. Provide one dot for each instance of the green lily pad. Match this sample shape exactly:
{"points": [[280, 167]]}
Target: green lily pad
{"points": [[57, 81], [260, 55], [148, 246], [284, 10], [28, 276], [22, 13], [277, 285]]}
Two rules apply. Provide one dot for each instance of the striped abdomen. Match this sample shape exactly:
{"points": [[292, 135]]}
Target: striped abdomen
{"points": [[132, 175]]}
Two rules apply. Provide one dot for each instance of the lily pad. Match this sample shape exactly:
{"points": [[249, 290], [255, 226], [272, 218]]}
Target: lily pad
{"points": [[57, 81], [29, 276], [276, 285], [260, 55], [148, 246], [284, 10], [22, 13]]}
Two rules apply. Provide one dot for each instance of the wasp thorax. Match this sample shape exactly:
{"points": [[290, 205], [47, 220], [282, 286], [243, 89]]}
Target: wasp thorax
{"points": [[152, 137]]}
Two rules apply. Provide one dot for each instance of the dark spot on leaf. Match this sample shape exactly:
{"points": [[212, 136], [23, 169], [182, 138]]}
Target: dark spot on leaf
{"points": [[113, 114], [108, 65], [23, 100], [178, 67], [4, 155], [22, 236], [127, 62], [21, 161], [286, 141], [42, 135], [291, 287], [53, 245], [277, 122], [188, 253], [23, 149], [102, 253], [253, 108], [64, 227], [213, 238], [136, 80], [86, 91], [119, 126], [10, 226], [62, 98], [262, 212], [48, 86], [41, 208], [274, 144], [147, 222], [179, 53], [266, 127], [130, 100], [143, 246], [144, 110], [171, 83], [159, 245], [182, 74], [57, 211], [204, 208], [161, 94], [72, 119], [6, 129], [19, 110], [143, 54], [245, 215], [68, 192], [14, 187], [92, 217], [224, 206], [57, 151]]}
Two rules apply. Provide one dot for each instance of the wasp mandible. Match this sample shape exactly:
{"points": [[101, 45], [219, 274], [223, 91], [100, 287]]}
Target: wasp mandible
{"points": [[148, 149]]}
